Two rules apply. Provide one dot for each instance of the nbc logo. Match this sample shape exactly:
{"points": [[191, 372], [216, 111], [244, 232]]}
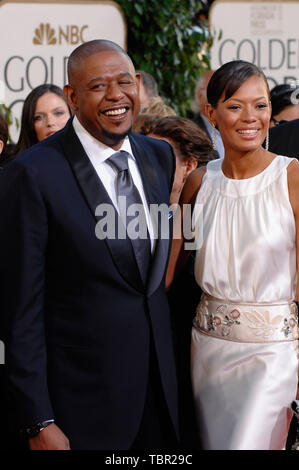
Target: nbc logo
{"points": [[71, 34], [44, 33]]}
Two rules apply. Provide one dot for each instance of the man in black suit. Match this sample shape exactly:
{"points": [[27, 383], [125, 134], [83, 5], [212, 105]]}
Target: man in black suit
{"points": [[89, 350], [284, 139]]}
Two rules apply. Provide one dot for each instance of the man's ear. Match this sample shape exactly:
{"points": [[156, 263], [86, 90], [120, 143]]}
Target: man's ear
{"points": [[71, 96], [1, 145]]}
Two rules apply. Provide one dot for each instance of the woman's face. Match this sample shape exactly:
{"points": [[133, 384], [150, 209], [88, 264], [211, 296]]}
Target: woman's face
{"points": [[243, 119], [51, 114]]}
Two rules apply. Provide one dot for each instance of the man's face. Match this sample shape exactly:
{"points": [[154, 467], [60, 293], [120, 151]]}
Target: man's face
{"points": [[143, 96], [201, 95], [104, 96]]}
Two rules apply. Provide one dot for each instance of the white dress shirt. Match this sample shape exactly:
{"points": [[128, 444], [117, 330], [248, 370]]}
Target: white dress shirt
{"points": [[98, 153]]}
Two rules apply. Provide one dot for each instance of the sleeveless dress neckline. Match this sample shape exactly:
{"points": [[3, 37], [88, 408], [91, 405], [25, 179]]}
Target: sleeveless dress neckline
{"points": [[250, 177], [247, 187]]}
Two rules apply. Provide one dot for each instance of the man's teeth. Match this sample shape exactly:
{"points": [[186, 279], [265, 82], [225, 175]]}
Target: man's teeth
{"points": [[115, 112], [248, 131]]}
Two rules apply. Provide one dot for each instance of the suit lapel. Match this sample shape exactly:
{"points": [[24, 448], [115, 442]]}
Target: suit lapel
{"points": [[151, 181], [95, 193]]}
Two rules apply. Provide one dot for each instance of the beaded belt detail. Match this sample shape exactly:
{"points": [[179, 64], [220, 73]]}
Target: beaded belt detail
{"points": [[252, 323]]}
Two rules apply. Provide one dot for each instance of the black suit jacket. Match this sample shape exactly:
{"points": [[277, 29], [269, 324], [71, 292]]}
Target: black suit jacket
{"points": [[77, 317], [284, 139]]}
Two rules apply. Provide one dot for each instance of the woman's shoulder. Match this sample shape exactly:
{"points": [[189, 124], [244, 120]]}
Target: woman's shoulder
{"points": [[293, 185], [293, 170]]}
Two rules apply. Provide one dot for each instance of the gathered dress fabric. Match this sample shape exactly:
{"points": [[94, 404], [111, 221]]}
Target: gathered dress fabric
{"points": [[244, 350]]}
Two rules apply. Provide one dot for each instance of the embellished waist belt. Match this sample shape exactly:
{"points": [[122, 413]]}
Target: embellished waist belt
{"points": [[253, 323]]}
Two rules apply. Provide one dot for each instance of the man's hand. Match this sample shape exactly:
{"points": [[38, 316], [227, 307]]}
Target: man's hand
{"points": [[50, 438]]}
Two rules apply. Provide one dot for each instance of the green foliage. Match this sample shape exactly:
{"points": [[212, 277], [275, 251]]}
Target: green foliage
{"points": [[164, 39], [7, 113]]}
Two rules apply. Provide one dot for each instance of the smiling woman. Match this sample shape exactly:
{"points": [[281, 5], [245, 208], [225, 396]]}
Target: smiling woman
{"points": [[244, 339], [45, 111]]}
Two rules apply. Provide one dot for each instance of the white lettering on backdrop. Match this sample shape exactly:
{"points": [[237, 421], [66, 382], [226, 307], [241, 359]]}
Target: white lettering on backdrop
{"points": [[37, 37], [265, 33]]}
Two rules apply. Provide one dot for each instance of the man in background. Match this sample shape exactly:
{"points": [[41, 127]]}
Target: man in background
{"points": [[284, 139], [201, 118], [148, 89]]}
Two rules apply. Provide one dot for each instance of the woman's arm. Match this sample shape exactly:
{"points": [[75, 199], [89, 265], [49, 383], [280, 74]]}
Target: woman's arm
{"points": [[179, 255], [293, 184]]}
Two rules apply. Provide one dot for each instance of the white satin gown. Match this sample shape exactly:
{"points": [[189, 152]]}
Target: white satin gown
{"points": [[244, 353]]}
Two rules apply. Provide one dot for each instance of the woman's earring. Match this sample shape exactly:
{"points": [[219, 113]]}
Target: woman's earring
{"points": [[267, 141], [214, 142]]}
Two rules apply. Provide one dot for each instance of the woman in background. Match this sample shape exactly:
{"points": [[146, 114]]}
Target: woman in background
{"points": [[191, 147], [45, 111]]}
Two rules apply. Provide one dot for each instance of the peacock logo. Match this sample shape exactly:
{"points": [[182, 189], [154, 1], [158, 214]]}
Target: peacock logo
{"points": [[44, 35]]}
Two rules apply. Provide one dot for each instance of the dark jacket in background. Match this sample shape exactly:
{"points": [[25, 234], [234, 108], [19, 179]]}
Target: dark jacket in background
{"points": [[284, 139]]}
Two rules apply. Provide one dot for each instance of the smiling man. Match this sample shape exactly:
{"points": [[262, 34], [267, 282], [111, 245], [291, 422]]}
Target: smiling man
{"points": [[89, 350], [103, 94]]}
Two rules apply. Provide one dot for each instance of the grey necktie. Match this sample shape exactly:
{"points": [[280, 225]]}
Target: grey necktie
{"points": [[126, 188]]}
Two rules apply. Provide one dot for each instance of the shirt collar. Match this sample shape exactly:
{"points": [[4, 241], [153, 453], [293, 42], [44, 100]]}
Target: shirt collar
{"points": [[96, 149]]}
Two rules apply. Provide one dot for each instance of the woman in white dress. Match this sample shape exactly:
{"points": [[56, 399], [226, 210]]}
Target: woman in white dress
{"points": [[244, 353]]}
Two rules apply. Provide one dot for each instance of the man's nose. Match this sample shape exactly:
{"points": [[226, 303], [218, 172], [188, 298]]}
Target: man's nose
{"points": [[114, 91]]}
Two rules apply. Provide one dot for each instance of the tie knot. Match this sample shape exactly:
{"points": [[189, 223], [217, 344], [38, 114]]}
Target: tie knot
{"points": [[119, 160]]}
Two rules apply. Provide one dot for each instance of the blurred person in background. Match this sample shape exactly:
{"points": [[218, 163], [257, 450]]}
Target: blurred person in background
{"points": [[201, 117], [285, 106], [148, 89], [3, 134], [284, 139], [45, 111], [191, 146], [157, 109]]}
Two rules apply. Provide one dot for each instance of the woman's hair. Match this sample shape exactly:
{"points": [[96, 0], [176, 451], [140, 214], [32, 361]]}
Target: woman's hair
{"points": [[229, 77], [281, 97], [28, 136], [156, 109], [186, 135], [3, 131]]}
